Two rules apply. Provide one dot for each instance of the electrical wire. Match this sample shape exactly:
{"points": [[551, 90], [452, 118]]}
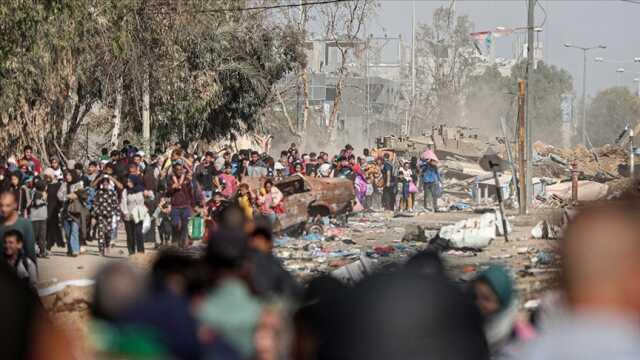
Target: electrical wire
{"points": [[269, 7], [544, 11]]}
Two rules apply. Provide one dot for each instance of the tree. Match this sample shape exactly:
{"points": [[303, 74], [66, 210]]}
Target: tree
{"points": [[547, 84], [343, 25], [609, 112], [47, 74], [200, 72], [489, 98], [445, 58]]}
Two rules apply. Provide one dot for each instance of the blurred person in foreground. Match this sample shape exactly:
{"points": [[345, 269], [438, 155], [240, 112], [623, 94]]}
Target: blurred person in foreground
{"points": [[495, 294], [270, 278], [231, 310], [11, 220], [601, 284], [402, 315], [27, 332], [24, 267]]}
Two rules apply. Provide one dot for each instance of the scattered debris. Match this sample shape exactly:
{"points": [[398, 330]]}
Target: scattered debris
{"points": [[587, 190], [473, 233], [355, 271], [413, 232], [545, 230], [308, 199]]}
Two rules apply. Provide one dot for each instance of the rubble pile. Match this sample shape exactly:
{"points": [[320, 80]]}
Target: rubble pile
{"points": [[335, 251], [606, 162]]}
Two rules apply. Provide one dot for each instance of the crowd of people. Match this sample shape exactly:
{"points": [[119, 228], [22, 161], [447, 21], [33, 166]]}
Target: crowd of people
{"points": [[234, 300], [173, 197]]}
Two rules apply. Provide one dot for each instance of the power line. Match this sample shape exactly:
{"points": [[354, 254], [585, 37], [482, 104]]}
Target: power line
{"points": [[269, 7], [544, 21]]}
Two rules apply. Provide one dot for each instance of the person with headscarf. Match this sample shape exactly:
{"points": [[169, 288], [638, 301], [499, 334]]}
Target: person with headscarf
{"points": [[134, 211], [269, 201], [71, 193], [54, 206], [105, 207], [496, 298]]}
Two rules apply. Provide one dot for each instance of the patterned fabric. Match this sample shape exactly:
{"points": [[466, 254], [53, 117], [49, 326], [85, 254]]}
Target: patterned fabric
{"points": [[105, 205]]}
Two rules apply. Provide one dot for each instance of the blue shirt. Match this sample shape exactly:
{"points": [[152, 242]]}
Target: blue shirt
{"points": [[430, 173]]}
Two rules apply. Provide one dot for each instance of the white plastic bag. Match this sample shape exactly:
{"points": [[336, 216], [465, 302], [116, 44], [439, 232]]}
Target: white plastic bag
{"points": [[146, 223]]}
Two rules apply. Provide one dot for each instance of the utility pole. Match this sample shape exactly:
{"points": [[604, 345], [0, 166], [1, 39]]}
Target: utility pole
{"points": [[522, 168], [583, 127], [528, 189], [583, 123], [367, 85], [413, 66]]}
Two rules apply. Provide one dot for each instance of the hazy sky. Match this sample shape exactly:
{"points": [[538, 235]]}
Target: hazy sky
{"points": [[613, 23]]}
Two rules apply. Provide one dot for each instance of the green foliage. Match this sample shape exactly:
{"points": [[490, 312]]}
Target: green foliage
{"points": [[547, 85], [210, 73], [445, 58], [488, 100], [610, 111], [491, 95]]}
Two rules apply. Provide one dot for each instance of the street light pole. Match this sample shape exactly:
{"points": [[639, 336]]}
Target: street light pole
{"points": [[583, 125]]}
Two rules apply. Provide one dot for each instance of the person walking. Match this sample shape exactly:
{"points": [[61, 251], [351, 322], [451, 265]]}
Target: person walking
{"points": [[23, 266], [407, 186], [430, 179], [183, 200], [388, 190], [37, 210], [54, 207], [70, 194], [11, 220], [268, 200], [133, 212], [105, 207]]}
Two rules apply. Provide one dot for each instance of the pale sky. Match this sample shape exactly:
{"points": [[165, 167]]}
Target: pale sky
{"points": [[613, 23]]}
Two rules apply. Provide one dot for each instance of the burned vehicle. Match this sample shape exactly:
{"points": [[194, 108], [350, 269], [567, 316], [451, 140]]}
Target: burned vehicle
{"points": [[307, 200]]}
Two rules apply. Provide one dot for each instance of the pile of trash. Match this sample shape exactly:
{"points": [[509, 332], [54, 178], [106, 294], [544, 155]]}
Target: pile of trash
{"points": [[335, 251]]}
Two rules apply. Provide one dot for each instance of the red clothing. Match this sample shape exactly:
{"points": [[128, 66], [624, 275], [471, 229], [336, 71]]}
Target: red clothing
{"points": [[183, 196], [37, 165], [230, 185]]}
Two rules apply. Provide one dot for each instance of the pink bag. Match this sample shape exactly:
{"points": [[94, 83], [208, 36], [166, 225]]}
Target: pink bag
{"points": [[412, 188]]}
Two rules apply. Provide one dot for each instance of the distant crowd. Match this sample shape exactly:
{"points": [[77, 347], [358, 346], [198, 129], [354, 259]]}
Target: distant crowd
{"points": [[175, 197], [233, 299]]}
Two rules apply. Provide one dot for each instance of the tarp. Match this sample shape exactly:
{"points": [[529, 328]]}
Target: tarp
{"points": [[474, 233]]}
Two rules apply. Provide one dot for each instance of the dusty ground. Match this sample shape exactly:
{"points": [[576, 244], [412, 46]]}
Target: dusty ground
{"points": [[368, 232], [364, 234]]}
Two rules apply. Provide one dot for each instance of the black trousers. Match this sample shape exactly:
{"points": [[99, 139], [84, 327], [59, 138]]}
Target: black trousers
{"points": [[40, 235], [388, 198], [135, 238], [54, 232]]}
